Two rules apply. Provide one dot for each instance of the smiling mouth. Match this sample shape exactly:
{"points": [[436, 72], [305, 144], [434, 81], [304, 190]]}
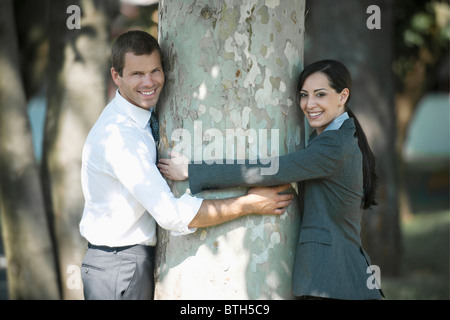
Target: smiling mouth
{"points": [[315, 115], [147, 93]]}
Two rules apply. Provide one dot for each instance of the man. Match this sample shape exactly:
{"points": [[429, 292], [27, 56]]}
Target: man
{"points": [[124, 192]]}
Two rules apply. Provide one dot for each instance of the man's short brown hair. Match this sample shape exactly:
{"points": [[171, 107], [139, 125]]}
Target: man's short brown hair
{"points": [[135, 41]]}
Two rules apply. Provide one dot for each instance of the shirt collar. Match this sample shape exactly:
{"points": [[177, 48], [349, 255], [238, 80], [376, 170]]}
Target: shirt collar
{"points": [[138, 115], [337, 122]]}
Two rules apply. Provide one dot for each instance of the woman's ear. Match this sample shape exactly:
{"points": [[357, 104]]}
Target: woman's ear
{"points": [[343, 96]]}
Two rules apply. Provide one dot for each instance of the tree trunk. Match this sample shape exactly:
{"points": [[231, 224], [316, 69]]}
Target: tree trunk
{"points": [[368, 55], [31, 262], [231, 70], [78, 75]]}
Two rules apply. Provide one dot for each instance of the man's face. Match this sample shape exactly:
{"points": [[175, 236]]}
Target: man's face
{"points": [[142, 79]]}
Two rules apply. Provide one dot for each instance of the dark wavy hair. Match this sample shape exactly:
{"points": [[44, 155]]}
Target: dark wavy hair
{"points": [[339, 78]]}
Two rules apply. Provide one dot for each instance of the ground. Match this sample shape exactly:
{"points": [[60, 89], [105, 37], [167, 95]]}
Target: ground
{"points": [[425, 262]]}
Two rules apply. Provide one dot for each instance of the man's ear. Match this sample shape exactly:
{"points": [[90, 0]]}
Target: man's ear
{"points": [[115, 76]]}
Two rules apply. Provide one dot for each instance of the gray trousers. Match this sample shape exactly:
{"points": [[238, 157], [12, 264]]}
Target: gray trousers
{"points": [[121, 273]]}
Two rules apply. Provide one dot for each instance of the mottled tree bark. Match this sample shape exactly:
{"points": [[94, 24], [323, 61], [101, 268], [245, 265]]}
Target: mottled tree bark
{"points": [[231, 69]]}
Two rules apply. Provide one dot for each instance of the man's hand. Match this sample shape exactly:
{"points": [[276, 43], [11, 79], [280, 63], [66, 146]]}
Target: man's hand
{"points": [[261, 200], [267, 200], [175, 168]]}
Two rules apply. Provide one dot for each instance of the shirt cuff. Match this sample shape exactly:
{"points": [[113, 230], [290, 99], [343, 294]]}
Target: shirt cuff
{"points": [[190, 206]]}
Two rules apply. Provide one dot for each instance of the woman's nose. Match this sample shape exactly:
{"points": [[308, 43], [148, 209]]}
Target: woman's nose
{"points": [[310, 103]]}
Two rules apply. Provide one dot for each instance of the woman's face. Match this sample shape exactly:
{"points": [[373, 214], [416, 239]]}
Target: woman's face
{"points": [[321, 103]]}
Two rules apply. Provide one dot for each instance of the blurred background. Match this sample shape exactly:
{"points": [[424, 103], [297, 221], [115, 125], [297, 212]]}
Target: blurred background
{"points": [[400, 94]]}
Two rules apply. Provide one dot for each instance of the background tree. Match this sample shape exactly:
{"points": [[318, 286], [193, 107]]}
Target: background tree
{"points": [[421, 65], [77, 93], [422, 33], [31, 262], [368, 53], [75, 75]]}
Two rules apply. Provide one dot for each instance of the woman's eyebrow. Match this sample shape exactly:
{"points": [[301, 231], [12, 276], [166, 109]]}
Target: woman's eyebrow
{"points": [[314, 90]]}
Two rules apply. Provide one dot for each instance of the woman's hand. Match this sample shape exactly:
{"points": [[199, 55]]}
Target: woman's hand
{"points": [[175, 168]]}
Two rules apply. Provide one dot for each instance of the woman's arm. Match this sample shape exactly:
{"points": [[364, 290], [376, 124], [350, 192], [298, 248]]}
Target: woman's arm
{"points": [[319, 160]]}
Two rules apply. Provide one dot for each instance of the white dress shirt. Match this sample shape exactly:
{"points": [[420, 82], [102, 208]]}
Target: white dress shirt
{"points": [[123, 189]]}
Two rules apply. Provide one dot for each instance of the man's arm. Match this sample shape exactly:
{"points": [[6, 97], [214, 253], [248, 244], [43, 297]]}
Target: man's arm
{"points": [[144, 182], [263, 201]]}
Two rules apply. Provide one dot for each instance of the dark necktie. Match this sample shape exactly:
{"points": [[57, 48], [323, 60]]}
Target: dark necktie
{"points": [[154, 126]]}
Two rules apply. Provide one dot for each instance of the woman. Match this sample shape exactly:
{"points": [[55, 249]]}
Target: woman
{"points": [[338, 170]]}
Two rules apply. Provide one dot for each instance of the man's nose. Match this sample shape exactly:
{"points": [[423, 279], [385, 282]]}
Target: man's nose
{"points": [[148, 80]]}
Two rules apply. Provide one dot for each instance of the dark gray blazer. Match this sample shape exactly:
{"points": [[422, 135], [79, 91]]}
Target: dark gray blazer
{"points": [[330, 261]]}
